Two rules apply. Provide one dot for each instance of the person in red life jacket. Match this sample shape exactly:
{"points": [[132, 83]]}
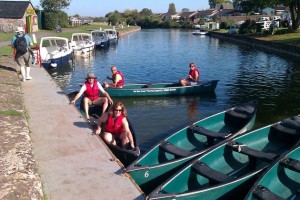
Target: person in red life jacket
{"points": [[193, 77], [116, 128], [117, 78], [91, 95]]}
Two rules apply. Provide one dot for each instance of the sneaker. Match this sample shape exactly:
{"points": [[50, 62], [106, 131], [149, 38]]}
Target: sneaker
{"points": [[28, 77], [23, 79]]}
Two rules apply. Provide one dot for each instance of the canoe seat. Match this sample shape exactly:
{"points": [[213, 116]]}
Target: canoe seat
{"points": [[288, 130], [170, 148], [291, 164], [241, 148], [149, 85], [208, 133], [213, 175], [240, 115], [263, 193]]}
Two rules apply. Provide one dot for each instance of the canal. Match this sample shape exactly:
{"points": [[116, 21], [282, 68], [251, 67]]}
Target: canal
{"points": [[160, 55]]}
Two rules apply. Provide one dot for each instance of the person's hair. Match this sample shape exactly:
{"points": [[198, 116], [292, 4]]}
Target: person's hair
{"points": [[192, 64], [114, 106]]}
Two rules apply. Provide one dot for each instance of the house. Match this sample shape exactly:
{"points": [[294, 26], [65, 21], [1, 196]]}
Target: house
{"points": [[169, 16], [18, 13]]}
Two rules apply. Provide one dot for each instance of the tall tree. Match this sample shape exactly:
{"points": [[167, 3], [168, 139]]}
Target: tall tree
{"points": [[55, 5], [172, 8]]}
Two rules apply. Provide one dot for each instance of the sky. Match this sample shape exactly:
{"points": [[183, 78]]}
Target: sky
{"points": [[99, 8]]}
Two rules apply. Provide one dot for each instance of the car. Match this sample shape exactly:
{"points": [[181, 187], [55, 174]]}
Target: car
{"points": [[275, 18]]}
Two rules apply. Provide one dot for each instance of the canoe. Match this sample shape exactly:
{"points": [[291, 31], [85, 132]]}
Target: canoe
{"points": [[162, 89], [229, 170], [125, 156], [169, 155], [280, 181]]}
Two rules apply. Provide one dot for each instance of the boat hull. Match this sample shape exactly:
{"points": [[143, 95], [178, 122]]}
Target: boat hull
{"points": [[161, 89], [226, 169], [280, 180], [157, 165]]}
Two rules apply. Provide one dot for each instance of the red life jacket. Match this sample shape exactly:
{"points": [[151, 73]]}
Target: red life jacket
{"points": [[114, 127], [92, 92], [193, 74], [120, 83]]}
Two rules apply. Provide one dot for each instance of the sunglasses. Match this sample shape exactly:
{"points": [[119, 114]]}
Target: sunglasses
{"points": [[91, 78], [118, 110]]}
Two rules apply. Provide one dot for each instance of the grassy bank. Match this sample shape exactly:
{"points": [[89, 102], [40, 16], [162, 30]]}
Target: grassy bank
{"points": [[7, 50]]}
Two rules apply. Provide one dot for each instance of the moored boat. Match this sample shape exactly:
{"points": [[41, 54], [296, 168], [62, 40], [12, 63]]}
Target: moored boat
{"points": [[162, 89], [82, 44], [280, 181], [200, 32], [168, 156], [228, 170], [54, 51], [112, 35], [100, 38]]}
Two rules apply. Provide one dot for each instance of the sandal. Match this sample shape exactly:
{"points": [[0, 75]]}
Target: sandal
{"points": [[88, 120]]}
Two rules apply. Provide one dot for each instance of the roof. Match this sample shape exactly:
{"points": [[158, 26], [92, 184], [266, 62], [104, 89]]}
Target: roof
{"points": [[224, 6], [13, 9]]}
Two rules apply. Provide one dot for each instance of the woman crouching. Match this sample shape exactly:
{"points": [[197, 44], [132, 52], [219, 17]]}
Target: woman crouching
{"points": [[116, 126]]}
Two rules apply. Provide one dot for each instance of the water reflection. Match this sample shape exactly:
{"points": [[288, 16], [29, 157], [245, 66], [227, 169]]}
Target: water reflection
{"points": [[163, 55]]}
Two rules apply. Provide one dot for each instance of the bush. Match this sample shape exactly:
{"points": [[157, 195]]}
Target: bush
{"points": [[223, 25]]}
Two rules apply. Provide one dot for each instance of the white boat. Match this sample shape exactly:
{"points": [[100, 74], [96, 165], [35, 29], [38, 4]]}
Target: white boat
{"points": [[200, 32], [82, 44], [54, 51], [112, 35], [100, 38]]}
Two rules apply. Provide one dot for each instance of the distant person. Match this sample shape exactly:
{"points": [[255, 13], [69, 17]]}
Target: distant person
{"points": [[91, 95], [22, 42], [193, 77], [116, 127], [117, 78]]}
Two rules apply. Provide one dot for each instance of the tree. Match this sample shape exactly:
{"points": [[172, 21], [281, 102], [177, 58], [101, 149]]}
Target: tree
{"points": [[213, 3], [54, 5], [172, 8], [146, 12], [185, 10]]}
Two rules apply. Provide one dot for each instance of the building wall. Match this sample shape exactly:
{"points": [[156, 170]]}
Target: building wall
{"points": [[9, 25]]}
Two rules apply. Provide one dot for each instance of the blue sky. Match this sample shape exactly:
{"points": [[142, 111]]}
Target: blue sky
{"points": [[99, 8]]}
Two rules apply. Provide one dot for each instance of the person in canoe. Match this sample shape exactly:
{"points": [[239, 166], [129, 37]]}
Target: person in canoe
{"points": [[117, 78], [193, 77], [116, 127], [90, 89]]}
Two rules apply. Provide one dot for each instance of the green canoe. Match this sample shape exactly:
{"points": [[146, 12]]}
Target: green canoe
{"points": [[280, 181], [229, 170], [162, 89], [168, 156]]}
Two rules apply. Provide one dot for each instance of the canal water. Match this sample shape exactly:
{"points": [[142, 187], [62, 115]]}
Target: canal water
{"points": [[157, 55]]}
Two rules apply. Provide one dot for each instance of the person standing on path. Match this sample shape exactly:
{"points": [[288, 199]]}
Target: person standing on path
{"points": [[21, 42]]}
